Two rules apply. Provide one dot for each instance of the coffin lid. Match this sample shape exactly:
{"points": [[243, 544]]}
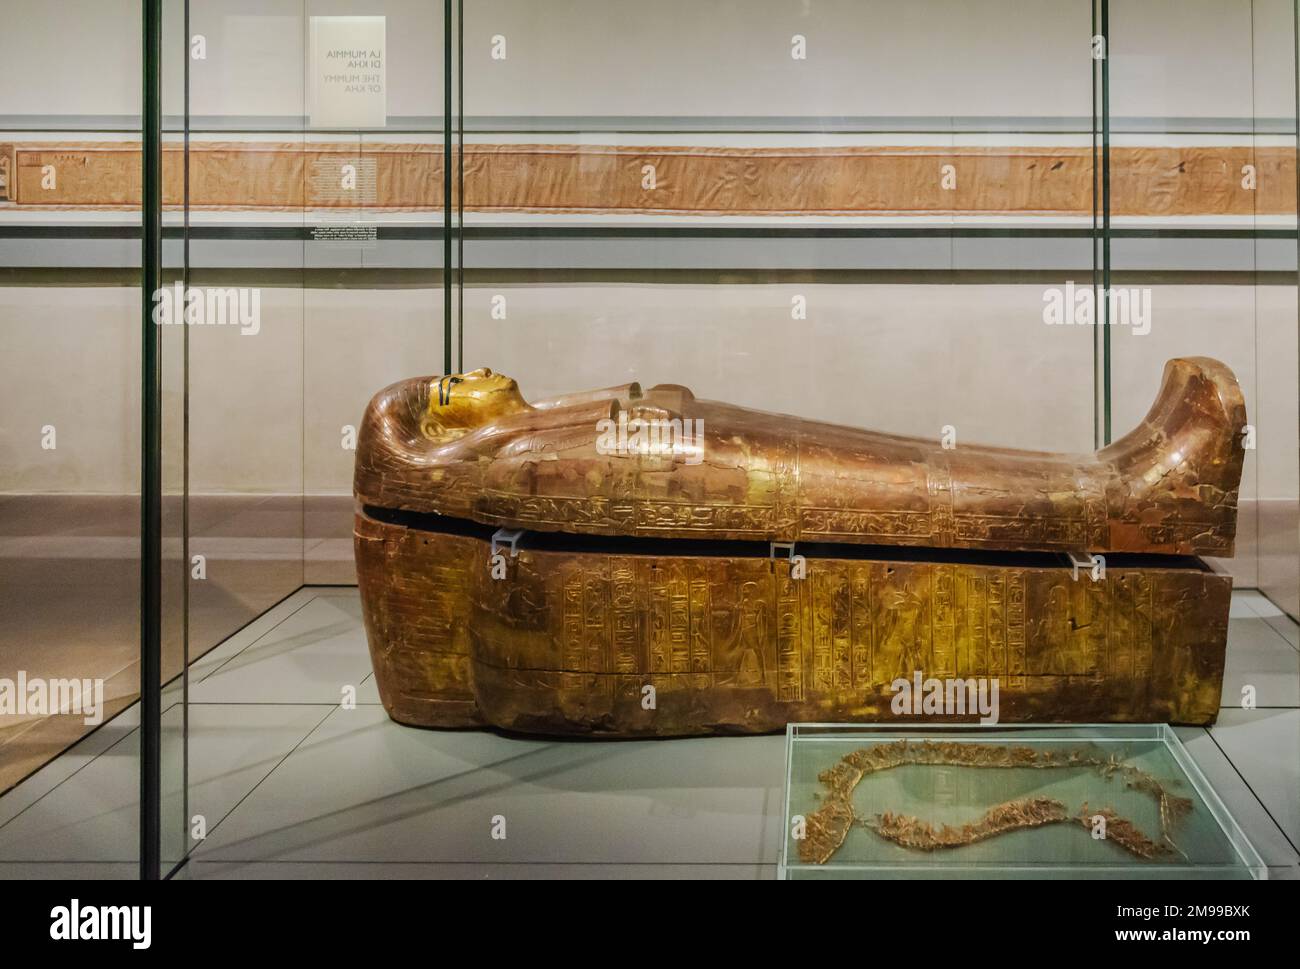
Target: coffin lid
{"points": [[661, 463]]}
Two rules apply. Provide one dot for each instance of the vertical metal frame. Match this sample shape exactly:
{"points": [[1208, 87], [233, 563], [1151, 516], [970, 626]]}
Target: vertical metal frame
{"points": [[151, 448], [1101, 370], [1103, 307], [185, 456], [185, 459], [460, 185], [448, 29]]}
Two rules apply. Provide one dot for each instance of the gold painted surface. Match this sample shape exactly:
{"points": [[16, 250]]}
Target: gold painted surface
{"points": [[573, 635], [569, 641], [469, 446]]}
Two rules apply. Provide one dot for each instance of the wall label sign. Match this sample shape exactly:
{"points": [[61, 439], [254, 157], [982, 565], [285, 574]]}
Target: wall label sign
{"points": [[348, 82]]}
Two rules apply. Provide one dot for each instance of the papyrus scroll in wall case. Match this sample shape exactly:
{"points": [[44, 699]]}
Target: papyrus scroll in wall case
{"points": [[1150, 181]]}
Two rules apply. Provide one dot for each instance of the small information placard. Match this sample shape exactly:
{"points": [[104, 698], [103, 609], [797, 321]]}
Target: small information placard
{"points": [[347, 82], [355, 235]]}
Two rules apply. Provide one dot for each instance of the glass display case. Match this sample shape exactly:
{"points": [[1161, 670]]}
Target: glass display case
{"points": [[955, 243], [1089, 801]]}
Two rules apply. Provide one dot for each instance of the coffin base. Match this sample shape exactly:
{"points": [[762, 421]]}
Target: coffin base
{"points": [[589, 638]]}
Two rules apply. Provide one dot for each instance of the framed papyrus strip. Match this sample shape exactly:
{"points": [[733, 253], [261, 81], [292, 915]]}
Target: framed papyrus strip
{"points": [[690, 180]]}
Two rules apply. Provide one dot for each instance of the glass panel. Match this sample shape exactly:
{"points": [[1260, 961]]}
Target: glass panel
{"points": [[1203, 216], [1005, 802], [246, 258], [70, 311], [244, 386], [326, 211], [372, 309], [842, 210], [174, 343], [1277, 465]]}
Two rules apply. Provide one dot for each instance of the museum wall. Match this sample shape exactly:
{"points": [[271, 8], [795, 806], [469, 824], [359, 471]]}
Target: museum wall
{"points": [[974, 59]]}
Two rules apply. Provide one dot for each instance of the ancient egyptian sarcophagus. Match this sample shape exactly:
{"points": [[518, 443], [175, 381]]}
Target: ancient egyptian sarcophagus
{"points": [[640, 562]]}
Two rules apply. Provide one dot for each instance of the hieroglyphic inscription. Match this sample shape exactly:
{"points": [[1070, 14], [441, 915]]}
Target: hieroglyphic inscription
{"points": [[1056, 533], [1207, 534], [1141, 625], [860, 604], [742, 520], [976, 624], [542, 513], [596, 639], [572, 655], [1119, 640], [1028, 627], [1094, 512], [841, 610], [580, 634], [939, 489], [823, 661], [789, 640], [701, 638], [831, 523], [658, 620], [997, 624], [679, 618], [1016, 629], [944, 620], [1094, 622], [624, 593]]}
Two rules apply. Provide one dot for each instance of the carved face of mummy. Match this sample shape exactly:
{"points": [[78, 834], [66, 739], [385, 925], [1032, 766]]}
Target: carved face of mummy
{"points": [[462, 402]]}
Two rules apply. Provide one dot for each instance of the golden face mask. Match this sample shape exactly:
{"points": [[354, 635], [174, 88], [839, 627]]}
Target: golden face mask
{"points": [[459, 403]]}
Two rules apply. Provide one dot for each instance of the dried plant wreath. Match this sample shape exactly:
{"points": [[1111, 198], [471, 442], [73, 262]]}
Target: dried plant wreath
{"points": [[829, 825]]}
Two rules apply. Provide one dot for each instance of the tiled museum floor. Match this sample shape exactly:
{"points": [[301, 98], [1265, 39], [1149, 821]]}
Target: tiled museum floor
{"points": [[292, 784], [69, 589]]}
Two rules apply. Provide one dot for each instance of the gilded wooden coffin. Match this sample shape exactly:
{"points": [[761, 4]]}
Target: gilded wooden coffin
{"points": [[629, 562]]}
